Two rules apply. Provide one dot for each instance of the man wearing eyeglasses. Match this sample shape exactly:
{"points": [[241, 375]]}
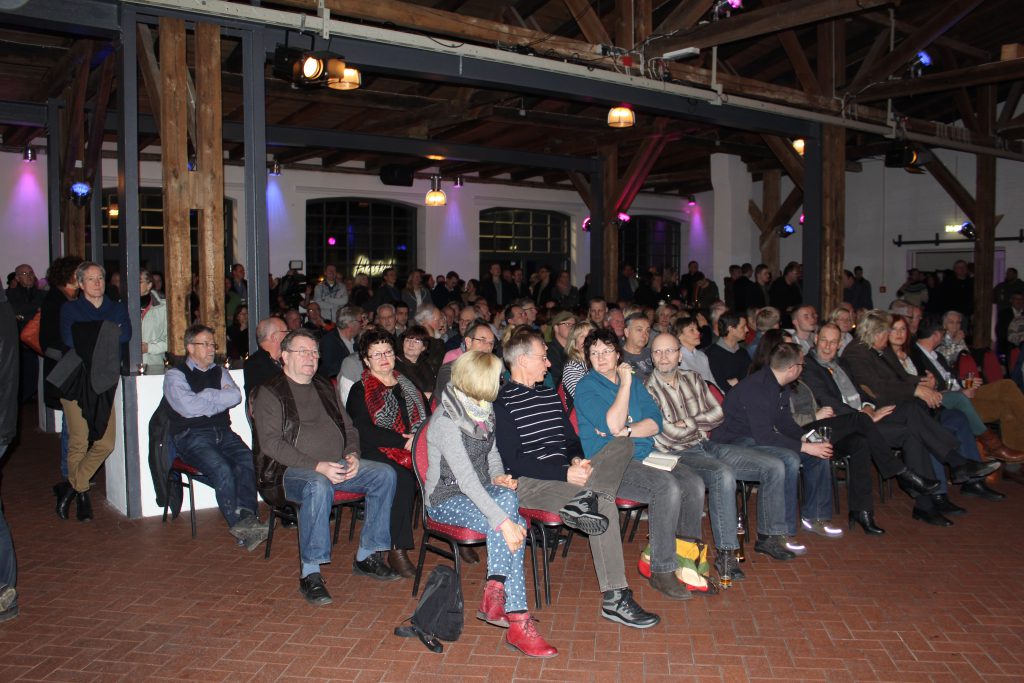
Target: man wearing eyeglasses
{"points": [[199, 394], [479, 337]]}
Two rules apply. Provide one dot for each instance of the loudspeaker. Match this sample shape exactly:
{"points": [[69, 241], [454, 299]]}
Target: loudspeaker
{"points": [[396, 174]]}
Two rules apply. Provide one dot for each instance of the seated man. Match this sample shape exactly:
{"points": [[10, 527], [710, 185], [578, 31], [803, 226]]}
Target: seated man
{"points": [[265, 362], [728, 355], [757, 414], [199, 394], [306, 449], [540, 449], [612, 403], [690, 412]]}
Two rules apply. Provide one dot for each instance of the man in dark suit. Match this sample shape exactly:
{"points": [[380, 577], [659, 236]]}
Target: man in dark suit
{"points": [[1010, 324], [339, 344], [495, 288]]}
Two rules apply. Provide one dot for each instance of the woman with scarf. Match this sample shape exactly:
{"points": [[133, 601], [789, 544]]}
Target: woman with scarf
{"points": [[466, 485], [154, 326], [385, 407]]}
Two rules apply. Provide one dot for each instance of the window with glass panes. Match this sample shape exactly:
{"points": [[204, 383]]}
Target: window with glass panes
{"points": [[650, 241], [360, 236], [529, 237]]}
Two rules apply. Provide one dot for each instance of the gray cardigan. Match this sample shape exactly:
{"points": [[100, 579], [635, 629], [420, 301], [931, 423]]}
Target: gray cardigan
{"points": [[444, 442]]}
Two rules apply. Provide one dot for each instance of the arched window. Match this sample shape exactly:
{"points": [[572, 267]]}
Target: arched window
{"points": [[360, 235], [650, 241], [528, 237]]}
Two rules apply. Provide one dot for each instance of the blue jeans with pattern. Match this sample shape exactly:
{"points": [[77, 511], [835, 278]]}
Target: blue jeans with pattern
{"points": [[460, 511]]}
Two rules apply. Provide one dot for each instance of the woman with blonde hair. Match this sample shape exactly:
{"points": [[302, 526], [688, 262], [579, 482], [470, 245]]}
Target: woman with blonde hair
{"points": [[467, 486], [576, 364]]}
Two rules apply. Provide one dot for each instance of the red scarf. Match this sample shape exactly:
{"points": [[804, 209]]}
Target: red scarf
{"points": [[388, 414]]}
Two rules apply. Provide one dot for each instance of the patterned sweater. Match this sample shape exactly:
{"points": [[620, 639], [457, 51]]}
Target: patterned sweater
{"points": [[689, 403]]}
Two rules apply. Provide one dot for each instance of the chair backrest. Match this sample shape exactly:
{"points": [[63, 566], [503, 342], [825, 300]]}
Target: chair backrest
{"points": [[991, 367], [717, 393], [562, 396], [1014, 356], [419, 462], [964, 364]]}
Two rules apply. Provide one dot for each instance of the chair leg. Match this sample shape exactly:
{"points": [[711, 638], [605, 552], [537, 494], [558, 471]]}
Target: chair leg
{"points": [[352, 524], [271, 523], [835, 487], [192, 503], [568, 541], [746, 512], [532, 536], [636, 524], [419, 564], [625, 525], [339, 511], [554, 546]]}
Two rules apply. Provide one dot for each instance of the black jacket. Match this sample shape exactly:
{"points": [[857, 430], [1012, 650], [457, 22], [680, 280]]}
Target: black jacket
{"points": [[490, 292], [826, 392], [168, 492], [333, 352], [878, 376], [925, 364], [9, 349]]}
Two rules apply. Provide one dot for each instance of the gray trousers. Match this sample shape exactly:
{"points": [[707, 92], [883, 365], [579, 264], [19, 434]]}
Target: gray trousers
{"points": [[608, 466]]}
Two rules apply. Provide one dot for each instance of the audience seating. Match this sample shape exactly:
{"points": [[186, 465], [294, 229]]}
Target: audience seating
{"points": [[538, 524], [187, 474], [342, 500]]}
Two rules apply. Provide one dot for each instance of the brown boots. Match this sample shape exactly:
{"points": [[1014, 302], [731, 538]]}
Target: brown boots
{"points": [[995, 449]]}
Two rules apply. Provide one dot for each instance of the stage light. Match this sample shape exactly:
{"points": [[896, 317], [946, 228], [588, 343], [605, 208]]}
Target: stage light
{"points": [[586, 224], [621, 117], [691, 200], [799, 145], [623, 217], [459, 182], [275, 167], [28, 155], [331, 241], [968, 231], [786, 230], [80, 193]]}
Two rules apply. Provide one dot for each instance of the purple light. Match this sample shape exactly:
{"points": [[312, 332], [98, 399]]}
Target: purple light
{"points": [[801, 219], [735, 4], [624, 217], [331, 241], [691, 201], [586, 224]]}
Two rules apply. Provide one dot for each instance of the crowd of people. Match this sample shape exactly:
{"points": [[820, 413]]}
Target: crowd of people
{"points": [[535, 395]]}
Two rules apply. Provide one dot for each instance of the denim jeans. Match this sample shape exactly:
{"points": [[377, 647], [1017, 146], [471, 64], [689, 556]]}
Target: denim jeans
{"points": [[226, 463], [314, 494], [954, 400], [956, 422], [501, 561], [8, 562], [817, 484], [675, 502], [720, 466]]}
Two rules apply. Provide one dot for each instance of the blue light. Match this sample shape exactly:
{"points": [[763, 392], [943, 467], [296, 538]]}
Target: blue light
{"points": [[81, 189], [402, 247], [924, 58], [788, 229]]}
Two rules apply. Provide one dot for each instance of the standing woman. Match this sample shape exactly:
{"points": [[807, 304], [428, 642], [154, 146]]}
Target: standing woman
{"points": [[415, 293], [411, 361], [467, 485], [386, 407], [238, 333], [154, 326]]}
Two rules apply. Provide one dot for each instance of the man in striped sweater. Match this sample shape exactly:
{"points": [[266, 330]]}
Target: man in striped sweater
{"points": [[540, 449]]}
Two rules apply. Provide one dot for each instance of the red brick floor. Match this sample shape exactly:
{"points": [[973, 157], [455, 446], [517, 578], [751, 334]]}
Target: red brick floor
{"points": [[120, 600]]}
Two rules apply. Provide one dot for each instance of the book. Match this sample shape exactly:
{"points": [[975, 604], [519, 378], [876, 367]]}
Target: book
{"points": [[661, 461]]}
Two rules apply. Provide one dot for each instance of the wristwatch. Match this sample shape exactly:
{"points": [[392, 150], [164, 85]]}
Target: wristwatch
{"points": [[629, 430]]}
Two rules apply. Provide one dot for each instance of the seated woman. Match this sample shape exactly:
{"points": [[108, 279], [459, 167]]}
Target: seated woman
{"points": [[154, 326], [467, 486], [385, 407], [411, 359], [238, 334], [576, 365], [612, 403]]}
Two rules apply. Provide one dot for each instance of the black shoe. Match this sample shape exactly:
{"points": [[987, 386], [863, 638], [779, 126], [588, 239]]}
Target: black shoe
{"points": [[945, 506], [971, 470], [866, 520], [84, 506], [915, 483], [774, 547], [667, 584], [64, 498], [581, 513], [933, 517], [375, 568], [981, 490], [287, 523], [620, 606], [728, 567], [313, 589]]}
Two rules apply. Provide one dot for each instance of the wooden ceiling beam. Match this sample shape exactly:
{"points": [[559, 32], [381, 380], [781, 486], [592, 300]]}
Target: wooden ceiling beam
{"points": [[968, 77], [99, 116], [788, 157], [1010, 104], [907, 28], [588, 21], [798, 58], [685, 15], [942, 19], [767, 20], [878, 48]]}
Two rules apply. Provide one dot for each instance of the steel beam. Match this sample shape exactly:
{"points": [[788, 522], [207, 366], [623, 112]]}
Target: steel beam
{"points": [[52, 118], [597, 228], [254, 135], [23, 114], [811, 230], [84, 18]]}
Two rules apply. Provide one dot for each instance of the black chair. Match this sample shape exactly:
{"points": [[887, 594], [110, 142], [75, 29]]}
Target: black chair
{"points": [[342, 500], [188, 475]]}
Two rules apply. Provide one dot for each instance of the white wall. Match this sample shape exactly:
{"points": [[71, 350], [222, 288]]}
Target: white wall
{"points": [[24, 227]]}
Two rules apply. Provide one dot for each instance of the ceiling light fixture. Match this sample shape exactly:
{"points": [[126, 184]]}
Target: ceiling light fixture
{"points": [[28, 155], [317, 68], [725, 8], [968, 231], [786, 230], [621, 117], [80, 193], [459, 182], [275, 168], [691, 200], [799, 145], [922, 60], [436, 196]]}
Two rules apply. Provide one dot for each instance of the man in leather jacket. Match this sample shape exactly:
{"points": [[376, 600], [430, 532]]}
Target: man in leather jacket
{"points": [[306, 448]]}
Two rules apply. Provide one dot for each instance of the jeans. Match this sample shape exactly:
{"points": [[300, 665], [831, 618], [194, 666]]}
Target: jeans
{"points": [[957, 423], [501, 561], [675, 502], [314, 494], [720, 465], [8, 562], [608, 466], [954, 400], [817, 483], [226, 463]]}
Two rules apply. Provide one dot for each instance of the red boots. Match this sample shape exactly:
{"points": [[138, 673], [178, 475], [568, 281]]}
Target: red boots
{"points": [[492, 607], [523, 636]]}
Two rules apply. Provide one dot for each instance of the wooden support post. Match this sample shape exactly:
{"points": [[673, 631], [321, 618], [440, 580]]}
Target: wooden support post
{"points": [[208, 180], [174, 156], [610, 276], [833, 216], [74, 156], [984, 224]]}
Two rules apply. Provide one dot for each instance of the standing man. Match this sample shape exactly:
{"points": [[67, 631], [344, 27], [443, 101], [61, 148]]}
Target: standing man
{"points": [[330, 293], [728, 357], [306, 449], [199, 395], [25, 298], [239, 285], [340, 344], [388, 291], [540, 449], [91, 423], [8, 431], [495, 288], [784, 294], [597, 311]]}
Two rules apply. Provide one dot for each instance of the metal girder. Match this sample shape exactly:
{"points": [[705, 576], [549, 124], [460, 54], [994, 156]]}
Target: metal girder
{"points": [[254, 140], [812, 227], [98, 18], [23, 114]]}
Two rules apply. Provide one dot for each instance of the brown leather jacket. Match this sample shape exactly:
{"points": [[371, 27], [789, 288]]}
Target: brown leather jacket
{"points": [[270, 472]]}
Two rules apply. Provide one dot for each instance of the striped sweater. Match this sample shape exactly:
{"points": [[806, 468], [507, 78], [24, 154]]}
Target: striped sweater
{"points": [[535, 438], [689, 409]]}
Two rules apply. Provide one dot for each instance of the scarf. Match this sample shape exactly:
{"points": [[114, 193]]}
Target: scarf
{"points": [[382, 404]]}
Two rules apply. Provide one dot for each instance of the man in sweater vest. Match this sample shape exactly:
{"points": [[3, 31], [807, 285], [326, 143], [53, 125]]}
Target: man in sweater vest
{"points": [[540, 449], [199, 394]]}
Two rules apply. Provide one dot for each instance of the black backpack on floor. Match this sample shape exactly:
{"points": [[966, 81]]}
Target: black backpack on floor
{"points": [[438, 615]]}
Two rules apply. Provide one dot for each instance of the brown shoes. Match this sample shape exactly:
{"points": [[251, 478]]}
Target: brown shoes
{"points": [[399, 561], [997, 450]]}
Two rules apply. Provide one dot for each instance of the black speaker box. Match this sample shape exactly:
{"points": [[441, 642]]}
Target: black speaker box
{"points": [[396, 174]]}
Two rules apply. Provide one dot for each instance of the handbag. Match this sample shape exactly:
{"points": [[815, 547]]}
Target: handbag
{"points": [[30, 333], [400, 456]]}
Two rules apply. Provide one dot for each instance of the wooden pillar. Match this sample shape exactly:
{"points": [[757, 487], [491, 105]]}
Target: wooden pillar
{"points": [[833, 216], [610, 276], [174, 156], [771, 195], [984, 224], [73, 163], [208, 181]]}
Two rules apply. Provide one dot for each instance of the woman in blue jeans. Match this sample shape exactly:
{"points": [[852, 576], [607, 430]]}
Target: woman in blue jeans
{"points": [[467, 486]]}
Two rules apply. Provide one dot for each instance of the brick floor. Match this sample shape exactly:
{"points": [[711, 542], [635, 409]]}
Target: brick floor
{"points": [[120, 600]]}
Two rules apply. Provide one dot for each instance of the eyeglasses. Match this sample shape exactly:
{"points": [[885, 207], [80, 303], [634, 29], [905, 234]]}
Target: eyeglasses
{"points": [[565, 322], [483, 340], [664, 352], [381, 355], [601, 354], [412, 341], [212, 345], [310, 353]]}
